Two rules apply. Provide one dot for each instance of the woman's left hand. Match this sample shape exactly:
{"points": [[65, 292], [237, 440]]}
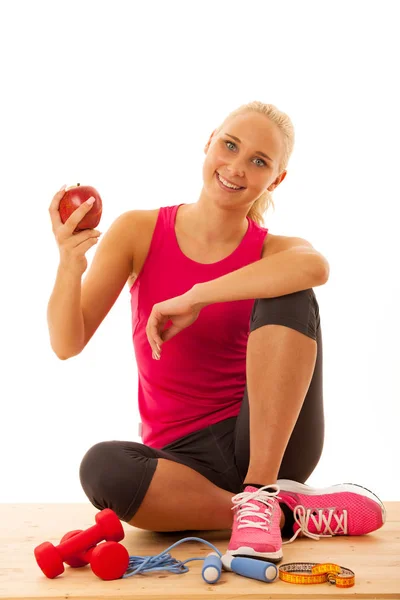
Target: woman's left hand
{"points": [[181, 310]]}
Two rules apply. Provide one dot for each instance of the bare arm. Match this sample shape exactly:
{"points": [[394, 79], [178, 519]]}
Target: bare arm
{"points": [[64, 314], [76, 309]]}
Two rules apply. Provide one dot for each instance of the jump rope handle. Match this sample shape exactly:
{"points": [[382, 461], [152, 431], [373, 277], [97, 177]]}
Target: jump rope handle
{"points": [[212, 565], [251, 567], [247, 567]]}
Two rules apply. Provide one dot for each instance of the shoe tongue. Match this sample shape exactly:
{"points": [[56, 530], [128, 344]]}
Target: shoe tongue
{"points": [[251, 488]]}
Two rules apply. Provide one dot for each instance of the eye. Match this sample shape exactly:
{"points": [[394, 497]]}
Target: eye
{"points": [[232, 144]]}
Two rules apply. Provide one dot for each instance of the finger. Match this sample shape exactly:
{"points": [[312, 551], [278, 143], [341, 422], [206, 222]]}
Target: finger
{"points": [[155, 349], [156, 338], [77, 215], [154, 352], [54, 205], [150, 337], [156, 321], [56, 198], [154, 346]]}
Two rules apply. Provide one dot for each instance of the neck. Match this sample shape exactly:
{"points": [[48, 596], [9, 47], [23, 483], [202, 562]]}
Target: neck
{"points": [[207, 223]]}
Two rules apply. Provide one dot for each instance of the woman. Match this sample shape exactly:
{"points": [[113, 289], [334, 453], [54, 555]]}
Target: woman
{"points": [[227, 338]]}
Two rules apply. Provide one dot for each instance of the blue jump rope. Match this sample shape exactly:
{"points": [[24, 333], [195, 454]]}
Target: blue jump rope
{"points": [[213, 563]]}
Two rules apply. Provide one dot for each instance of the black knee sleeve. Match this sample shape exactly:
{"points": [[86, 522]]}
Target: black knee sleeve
{"points": [[299, 311], [116, 475]]}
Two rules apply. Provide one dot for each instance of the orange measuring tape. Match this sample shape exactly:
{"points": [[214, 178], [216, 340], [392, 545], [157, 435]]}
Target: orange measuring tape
{"points": [[317, 573]]}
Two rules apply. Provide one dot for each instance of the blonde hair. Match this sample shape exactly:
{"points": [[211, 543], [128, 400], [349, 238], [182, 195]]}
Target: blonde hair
{"points": [[281, 120]]}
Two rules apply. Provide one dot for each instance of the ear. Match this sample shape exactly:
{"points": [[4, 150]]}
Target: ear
{"points": [[206, 147], [282, 176], [277, 181]]}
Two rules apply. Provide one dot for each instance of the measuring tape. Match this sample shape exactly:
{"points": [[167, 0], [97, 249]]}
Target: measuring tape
{"points": [[316, 573]]}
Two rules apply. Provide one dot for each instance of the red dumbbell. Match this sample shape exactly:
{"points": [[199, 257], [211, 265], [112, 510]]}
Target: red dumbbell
{"points": [[108, 560], [50, 558], [76, 560]]}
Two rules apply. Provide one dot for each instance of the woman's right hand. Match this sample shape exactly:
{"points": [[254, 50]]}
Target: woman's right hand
{"points": [[72, 246]]}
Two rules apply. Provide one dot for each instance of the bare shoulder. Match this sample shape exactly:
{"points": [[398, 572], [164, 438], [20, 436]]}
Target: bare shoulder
{"points": [[271, 243], [141, 218], [278, 243]]}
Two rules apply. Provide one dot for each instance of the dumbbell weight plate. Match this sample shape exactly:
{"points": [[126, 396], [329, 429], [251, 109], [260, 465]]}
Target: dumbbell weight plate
{"points": [[110, 525], [49, 560], [109, 560]]}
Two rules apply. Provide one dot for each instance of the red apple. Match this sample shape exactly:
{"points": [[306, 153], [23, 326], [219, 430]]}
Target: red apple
{"points": [[76, 195]]}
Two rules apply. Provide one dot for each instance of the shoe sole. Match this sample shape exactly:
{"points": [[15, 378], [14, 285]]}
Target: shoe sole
{"points": [[286, 485], [247, 552]]}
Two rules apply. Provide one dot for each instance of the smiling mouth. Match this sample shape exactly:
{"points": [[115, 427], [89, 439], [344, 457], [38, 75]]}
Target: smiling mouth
{"points": [[237, 189]]}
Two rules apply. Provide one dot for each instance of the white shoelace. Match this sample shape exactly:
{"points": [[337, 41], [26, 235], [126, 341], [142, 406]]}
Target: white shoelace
{"points": [[247, 509], [302, 517]]}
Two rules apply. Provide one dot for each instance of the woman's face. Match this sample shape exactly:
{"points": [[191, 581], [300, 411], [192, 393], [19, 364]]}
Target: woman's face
{"points": [[243, 163]]}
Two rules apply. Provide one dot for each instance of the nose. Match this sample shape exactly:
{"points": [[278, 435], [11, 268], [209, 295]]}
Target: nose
{"points": [[235, 169]]}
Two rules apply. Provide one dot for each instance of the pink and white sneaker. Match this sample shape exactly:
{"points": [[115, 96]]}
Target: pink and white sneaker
{"points": [[343, 509], [256, 524]]}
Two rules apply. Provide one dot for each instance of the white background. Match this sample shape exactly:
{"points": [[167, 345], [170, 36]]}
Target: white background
{"points": [[123, 96]]}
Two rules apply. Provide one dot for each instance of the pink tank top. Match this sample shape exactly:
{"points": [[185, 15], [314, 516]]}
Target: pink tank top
{"points": [[201, 376]]}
